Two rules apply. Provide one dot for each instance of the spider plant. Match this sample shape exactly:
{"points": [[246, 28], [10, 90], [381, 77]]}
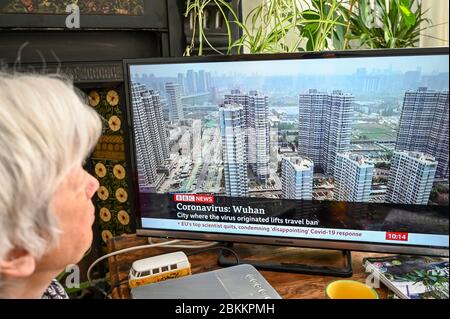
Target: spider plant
{"points": [[285, 25], [315, 25], [271, 22], [197, 8], [386, 23], [324, 25]]}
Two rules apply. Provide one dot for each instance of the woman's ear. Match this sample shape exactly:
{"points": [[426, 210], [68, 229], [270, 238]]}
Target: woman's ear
{"points": [[17, 263]]}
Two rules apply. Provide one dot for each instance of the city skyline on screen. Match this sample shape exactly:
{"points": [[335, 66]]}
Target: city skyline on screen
{"points": [[329, 66], [312, 129]]}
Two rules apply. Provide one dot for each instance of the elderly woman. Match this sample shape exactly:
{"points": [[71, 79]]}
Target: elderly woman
{"points": [[46, 212]]}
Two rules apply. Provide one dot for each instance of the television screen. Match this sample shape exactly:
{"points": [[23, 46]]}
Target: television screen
{"points": [[345, 150]]}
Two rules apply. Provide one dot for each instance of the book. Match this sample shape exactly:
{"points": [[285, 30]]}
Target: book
{"points": [[411, 277], [392, 295]]}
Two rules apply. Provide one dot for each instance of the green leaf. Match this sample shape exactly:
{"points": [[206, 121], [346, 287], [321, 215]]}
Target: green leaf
{"points": [[339, 38], [317, 3], [366, 16], [310, 45], [405, 3], [418, 273], [363, 39], [410, 18], [310, 15], [311, 27], [386, 36]]}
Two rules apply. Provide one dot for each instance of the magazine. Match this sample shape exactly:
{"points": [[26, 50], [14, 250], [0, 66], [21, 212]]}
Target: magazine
{"points": [[412, 277]]}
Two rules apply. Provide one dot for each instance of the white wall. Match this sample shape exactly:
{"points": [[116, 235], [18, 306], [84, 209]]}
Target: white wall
{"points": [[436, 35]]}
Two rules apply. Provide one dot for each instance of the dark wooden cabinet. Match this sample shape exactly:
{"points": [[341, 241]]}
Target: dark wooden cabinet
{"points": [[157, 32]]}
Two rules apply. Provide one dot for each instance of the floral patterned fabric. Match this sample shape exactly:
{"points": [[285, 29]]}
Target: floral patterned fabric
{"points": [[109, 164], [101, 7], [55, 291]]}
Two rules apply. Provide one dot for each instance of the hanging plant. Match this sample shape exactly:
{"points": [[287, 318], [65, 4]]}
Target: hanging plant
{"points": [[196, 10]]}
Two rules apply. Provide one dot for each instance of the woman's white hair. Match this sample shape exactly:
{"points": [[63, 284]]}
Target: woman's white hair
{"points": [[46, 130]]}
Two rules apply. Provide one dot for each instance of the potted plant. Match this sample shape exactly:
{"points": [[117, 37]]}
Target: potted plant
{"points": [[316, 25]]}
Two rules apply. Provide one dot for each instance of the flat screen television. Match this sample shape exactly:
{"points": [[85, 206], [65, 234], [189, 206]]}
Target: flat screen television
{"points": [[335, 150]]}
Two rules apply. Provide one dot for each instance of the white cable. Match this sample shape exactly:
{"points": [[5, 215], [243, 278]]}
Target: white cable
{"points": [[88, 274]]}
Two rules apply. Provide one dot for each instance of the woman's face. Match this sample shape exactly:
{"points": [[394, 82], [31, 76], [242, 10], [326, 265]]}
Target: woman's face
{"points": [[72, 204]]}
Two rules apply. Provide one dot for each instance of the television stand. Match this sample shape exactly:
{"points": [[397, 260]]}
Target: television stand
{"points": [[263, 261]]}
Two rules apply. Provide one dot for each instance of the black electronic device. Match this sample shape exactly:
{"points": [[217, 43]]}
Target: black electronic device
{"points": [[337, 150]]}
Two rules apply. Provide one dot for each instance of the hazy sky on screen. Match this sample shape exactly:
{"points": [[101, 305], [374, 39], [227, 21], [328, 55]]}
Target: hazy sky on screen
{"points": [[428, 64]]}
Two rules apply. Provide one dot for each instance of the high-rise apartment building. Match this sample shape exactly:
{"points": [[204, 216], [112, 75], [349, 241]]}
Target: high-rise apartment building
{"points": [[174, 102], [438, 143], [353, 175], [152, 146], [256, 121], [324, 127], [423, 126], [201, 81], [232, 131], [411, 178], [191, 84], [181, 83], [297, 178]]}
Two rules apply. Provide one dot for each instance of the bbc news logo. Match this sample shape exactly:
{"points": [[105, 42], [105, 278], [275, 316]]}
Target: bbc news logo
{"points": [[194, 198]]}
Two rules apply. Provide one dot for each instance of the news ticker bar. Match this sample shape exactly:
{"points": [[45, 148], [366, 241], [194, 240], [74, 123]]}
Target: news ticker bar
{"points": [[298, 232]]}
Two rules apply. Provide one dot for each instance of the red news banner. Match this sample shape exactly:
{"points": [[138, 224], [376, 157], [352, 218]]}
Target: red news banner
{"points": [[397, 236]]}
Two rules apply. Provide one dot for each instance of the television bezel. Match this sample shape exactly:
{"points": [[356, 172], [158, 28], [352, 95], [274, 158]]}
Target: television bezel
{"points": [[266, 240]]}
